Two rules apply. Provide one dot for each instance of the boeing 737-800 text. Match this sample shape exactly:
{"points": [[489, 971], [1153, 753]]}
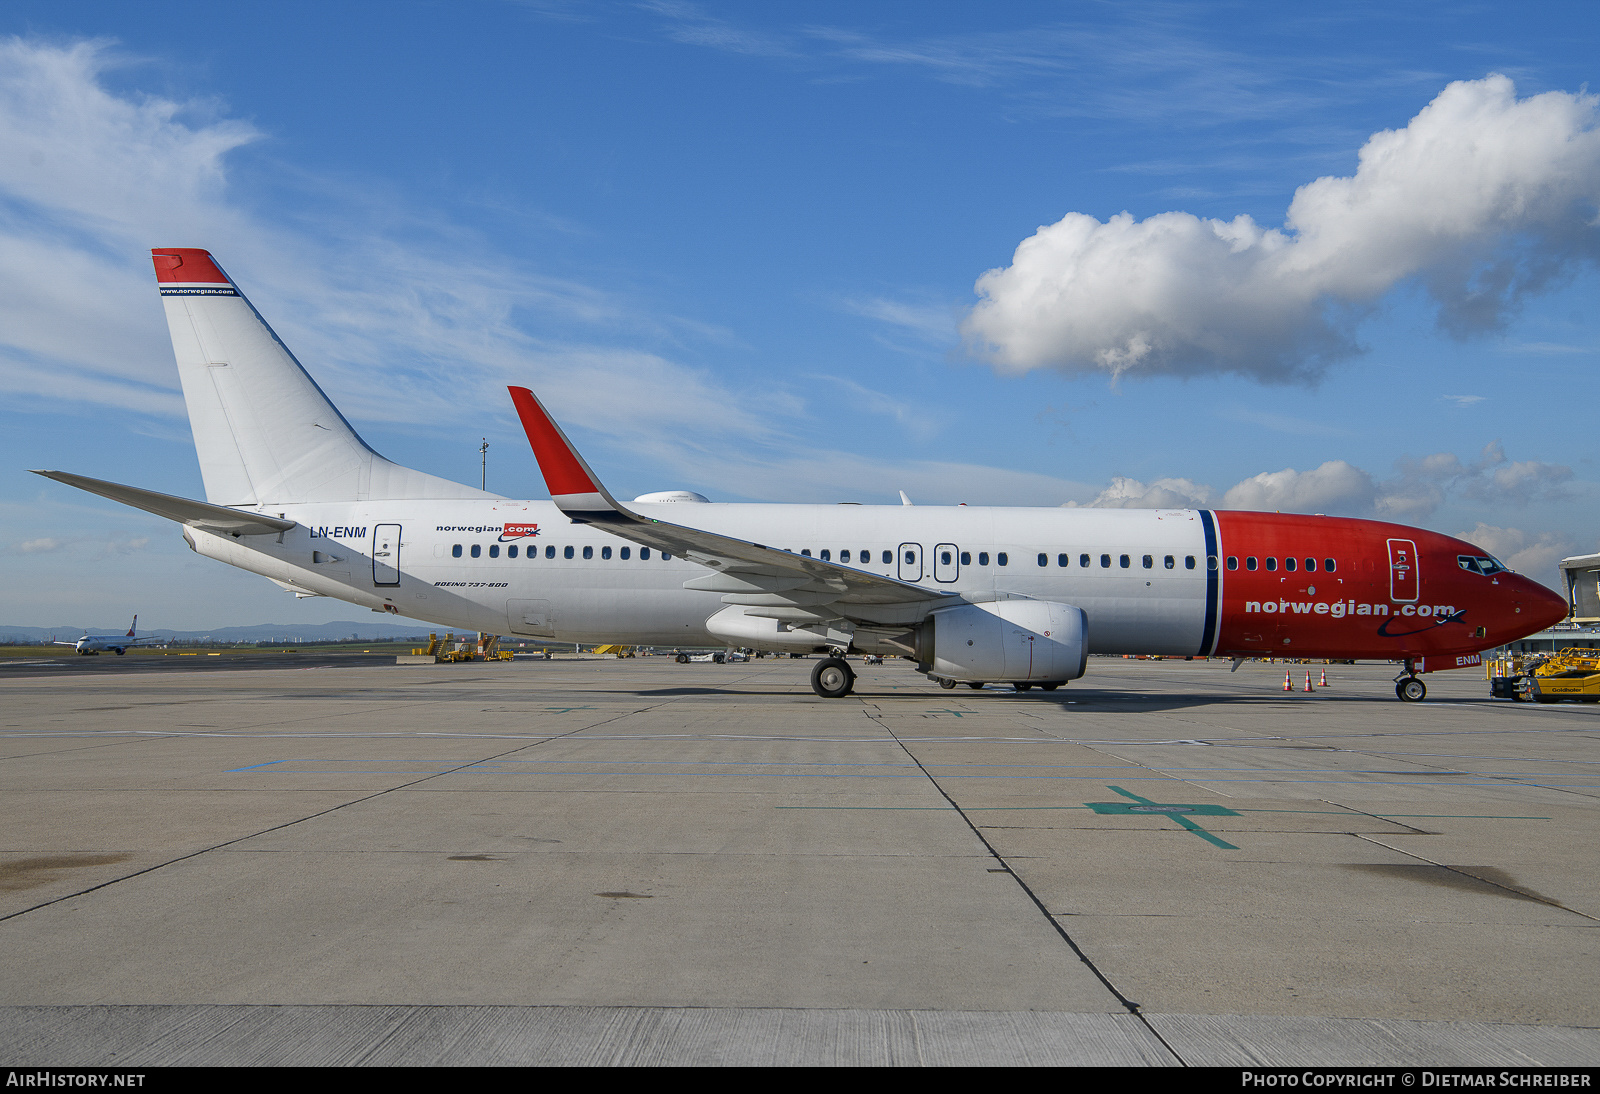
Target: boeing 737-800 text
{"points": [[972, 594]]}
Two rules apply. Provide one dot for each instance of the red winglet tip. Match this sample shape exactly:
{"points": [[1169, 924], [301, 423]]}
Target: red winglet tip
{"points": [[187, 265], [563, 471]]}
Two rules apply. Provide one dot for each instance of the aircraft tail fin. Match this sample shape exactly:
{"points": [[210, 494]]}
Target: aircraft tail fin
{"points": [[264, 431], [133, 628]]}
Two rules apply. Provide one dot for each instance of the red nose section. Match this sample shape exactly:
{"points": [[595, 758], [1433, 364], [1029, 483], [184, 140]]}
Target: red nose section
{"points": [[1545, 608], [187, 266]]}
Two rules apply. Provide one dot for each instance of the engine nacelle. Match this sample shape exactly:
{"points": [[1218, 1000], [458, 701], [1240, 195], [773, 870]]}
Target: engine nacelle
{"points": [[1010, 641]]}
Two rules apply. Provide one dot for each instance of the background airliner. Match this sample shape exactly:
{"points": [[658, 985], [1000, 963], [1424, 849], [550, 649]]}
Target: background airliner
{"points": [[98, 643], [971, 594]]}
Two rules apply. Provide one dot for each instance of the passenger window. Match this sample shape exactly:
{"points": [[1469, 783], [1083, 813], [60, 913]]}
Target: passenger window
{"points": [[588, 552], [966, 558], [511, 552], [1000, 559], [1250, 562], [1272, 564], [605, 552], [1063, 560], [944, 558], [644, 554], [625, 553], [1327, 564], [1044, 559], [806, 551], [455, 552], [827, 555], [844, 556], [1211, 563], [549, 552], [911, 558], [1288, 564], [665, 556], [865, 557], [477, 550], [1124, 561], [1233, 562], [494, 550], [1105, 561], [1083, 560], [983, 558], [1311, 564], [1169, 562], [888, 558], [566, 552], [1149, 563]]}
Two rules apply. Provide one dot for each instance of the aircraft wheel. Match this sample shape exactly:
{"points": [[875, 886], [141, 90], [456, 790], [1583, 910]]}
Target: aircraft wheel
{"points": [[1049, 687], [1022, 687], [683, 659], [1411, 690], [975, 685], [947, 684], [832, 678]]}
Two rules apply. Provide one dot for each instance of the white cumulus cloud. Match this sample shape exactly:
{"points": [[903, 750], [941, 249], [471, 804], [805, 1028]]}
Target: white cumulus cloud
{"points": [[1482, 199], [1125, 493]]}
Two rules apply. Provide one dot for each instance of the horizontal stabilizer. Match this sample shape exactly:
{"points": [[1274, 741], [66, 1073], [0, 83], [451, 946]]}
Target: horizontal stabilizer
{"points": [[197, 514]]}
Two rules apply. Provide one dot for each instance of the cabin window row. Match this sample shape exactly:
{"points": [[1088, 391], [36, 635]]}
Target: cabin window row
{"points": [[623, 553], [1289, 564], [886, 558], [1124, 562]]}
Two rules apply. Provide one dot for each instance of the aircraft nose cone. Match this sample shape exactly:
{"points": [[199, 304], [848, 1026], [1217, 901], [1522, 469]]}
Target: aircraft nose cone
{"points": [[1547, 608]]}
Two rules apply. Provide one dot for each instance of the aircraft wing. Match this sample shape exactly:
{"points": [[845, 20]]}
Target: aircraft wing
{"points": [[200, 514], [752, 572]]}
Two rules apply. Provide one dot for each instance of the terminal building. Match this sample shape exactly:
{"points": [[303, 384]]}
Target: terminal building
{"points": [[1582, 573]]}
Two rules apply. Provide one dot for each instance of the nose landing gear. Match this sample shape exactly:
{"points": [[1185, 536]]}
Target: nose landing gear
{"points": [[1408, 688]]}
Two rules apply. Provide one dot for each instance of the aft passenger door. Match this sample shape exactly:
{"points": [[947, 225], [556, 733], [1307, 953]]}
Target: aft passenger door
{"points": [[386, 554], [946, 562], [910, 556]]}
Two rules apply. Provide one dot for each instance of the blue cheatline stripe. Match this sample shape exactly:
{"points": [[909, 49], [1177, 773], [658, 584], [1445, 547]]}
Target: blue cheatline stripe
{"points": [[1208, 637]]}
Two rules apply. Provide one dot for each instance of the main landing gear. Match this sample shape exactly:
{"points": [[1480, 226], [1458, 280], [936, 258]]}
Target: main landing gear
{"points": [[833, 678], [1408, 688]]}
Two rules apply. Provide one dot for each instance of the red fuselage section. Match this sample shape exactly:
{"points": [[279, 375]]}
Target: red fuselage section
{"points": [[1298, 586]]}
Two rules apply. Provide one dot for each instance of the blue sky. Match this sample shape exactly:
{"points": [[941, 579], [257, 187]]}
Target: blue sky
{"points": [[736, 248]]}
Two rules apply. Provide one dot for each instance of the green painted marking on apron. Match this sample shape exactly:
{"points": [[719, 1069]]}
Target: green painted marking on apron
{"points": [[1175, 811]]}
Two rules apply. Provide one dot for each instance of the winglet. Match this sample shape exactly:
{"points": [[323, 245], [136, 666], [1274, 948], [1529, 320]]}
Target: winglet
{"points": [[574, 488]]}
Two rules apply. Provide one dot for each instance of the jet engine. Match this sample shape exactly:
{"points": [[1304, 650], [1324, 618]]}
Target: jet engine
{"points": [[1009, 641]]}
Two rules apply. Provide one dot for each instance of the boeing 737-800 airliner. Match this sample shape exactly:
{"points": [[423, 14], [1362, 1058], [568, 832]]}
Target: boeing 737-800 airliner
{"points": [[972, 594]]}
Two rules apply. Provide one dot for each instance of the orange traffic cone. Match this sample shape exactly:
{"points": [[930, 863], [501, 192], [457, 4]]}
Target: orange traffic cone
{"points": [[1308, 681], [1286, 685], [1324, 679]]}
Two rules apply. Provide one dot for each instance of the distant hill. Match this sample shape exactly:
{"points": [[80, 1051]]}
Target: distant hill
{"points": [[340, 631]]}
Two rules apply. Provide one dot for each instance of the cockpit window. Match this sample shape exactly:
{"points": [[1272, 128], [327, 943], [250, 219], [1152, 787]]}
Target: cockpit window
{"points": [[1481, 564]]}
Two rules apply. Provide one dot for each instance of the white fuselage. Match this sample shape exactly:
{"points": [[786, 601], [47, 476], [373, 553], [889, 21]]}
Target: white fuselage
{"points": [[416, 558]]}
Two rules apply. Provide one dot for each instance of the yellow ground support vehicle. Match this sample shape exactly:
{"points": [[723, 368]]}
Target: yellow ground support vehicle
{"points": [[1571, 674]]}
